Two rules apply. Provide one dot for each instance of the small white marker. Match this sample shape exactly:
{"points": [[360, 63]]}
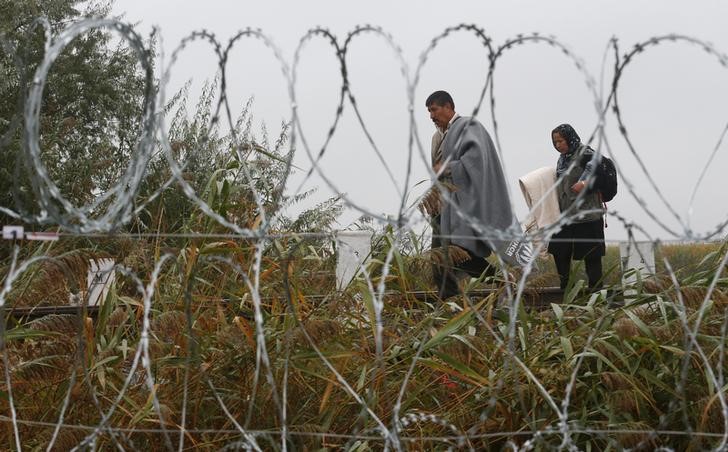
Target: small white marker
{"points": [[43, 236], [13, 232]]}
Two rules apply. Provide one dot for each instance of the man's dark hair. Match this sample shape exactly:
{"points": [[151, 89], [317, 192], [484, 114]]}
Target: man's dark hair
{"points": [[440, 98]]}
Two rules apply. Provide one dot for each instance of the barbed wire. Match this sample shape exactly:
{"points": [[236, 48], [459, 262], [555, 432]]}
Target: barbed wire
{"points": [[110, 214]]}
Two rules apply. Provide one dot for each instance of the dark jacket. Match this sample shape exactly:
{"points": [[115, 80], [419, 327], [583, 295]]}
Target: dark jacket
{"points": [[567, 198]]}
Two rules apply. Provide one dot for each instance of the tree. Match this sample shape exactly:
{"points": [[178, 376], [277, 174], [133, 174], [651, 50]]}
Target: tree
{"points": [[92, 102], [230, 170], [90, 123]]}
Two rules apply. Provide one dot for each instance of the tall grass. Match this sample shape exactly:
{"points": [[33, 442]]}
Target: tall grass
{"points": [[633, 374]]}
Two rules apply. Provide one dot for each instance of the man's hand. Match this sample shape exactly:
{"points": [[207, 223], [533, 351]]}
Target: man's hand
{"points": [[436, 168]]}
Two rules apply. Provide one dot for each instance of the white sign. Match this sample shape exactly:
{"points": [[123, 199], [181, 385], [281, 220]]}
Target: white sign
{"points": [[12, 232], [101, 276], [353, 248]]}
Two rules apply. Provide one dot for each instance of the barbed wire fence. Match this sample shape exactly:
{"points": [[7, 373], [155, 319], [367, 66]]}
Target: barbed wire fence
{"points": [[112, 212]]}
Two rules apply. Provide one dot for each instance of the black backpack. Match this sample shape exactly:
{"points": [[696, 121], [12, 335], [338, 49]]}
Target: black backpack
{"points": [[606, 178]]}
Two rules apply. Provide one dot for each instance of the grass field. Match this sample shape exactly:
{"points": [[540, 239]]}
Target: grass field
{"points": [[473, 374]]}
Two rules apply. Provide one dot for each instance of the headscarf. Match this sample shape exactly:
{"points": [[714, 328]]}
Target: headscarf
{"points": [[569, 134], [572, 139]]}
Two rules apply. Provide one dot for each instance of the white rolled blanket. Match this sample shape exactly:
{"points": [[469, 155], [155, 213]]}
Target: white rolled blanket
{"points": [[539, 190]]}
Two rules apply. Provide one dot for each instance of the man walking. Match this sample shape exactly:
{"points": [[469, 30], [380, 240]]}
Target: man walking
{"points": [[475, 201]]}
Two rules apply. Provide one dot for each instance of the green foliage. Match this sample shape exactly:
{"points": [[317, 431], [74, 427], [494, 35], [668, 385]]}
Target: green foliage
{"points": [[91, 109], [239, 175]]}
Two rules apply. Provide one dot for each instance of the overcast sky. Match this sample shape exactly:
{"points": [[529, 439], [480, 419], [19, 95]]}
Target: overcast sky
{"points": [[673, 97]]}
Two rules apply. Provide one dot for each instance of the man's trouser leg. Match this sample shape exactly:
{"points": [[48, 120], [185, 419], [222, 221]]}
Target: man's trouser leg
{"points": [[443, 276], [448, 282], [443, 272], [476, 266]]}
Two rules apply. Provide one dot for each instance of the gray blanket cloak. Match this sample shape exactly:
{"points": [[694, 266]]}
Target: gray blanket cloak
{"points": [[480, 201]]}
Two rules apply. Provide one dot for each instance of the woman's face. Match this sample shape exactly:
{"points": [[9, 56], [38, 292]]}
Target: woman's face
{"points": [[560, 143]]}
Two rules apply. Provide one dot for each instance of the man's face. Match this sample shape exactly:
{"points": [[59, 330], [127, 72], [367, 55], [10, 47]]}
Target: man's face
{"points": [[440, 114]]}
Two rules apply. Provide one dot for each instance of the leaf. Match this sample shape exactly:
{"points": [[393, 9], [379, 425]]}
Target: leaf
{"points": [[108, 359], [558, 312], [403, 276], [454, 325], [362, 378], [657, 382], [567, 347], [706, 410], [640, 324], [107, 308], [463, 368], [246, 329], [710, 256], [478, 350], [593, 353], [677, 351], [130, 301], [522, 339], [326, 354], [574, 292], [219, 248], [332, 383], [27, 333], [615, 351], [368, 299], [101, 375]]}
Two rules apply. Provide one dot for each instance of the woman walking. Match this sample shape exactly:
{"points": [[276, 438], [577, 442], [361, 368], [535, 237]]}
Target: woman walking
{"points": [[582, 237]]}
